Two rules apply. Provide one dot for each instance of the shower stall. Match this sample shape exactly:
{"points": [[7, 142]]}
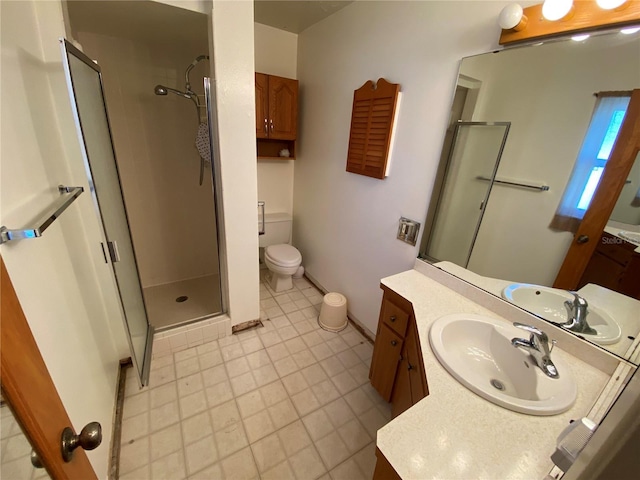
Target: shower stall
{"points": [[153, 59]]}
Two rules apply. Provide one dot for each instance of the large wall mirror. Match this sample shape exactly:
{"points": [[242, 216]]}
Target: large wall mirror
{"points": [[530, 134]]}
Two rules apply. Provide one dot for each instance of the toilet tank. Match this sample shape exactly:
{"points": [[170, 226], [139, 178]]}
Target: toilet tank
{"points": [[277, 229]]}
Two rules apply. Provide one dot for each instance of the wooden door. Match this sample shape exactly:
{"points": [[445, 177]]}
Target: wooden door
{"points": [[604, 200], [283, 108], [28, 388], [262, 105]]}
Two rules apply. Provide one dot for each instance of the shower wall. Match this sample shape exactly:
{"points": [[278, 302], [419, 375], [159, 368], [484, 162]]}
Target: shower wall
{"points": [[171, 217]]}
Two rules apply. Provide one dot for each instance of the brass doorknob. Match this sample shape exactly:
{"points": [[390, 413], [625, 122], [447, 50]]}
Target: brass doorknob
{"points": [[90, 437]]}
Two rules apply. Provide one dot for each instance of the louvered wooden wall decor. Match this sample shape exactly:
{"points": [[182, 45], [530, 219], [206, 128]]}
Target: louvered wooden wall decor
{"points": [[374, 108]]}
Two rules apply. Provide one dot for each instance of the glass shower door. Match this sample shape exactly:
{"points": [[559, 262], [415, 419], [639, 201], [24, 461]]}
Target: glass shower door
{"points": [[87, 100], [473, 162]]}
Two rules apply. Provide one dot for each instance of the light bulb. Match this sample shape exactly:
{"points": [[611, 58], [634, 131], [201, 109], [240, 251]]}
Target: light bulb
{"points": [[630, 30], [580, 38], [554, 10], [511, 16], [609, 4]]}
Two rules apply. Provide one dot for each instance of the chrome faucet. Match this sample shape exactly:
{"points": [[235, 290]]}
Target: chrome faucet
{"points": [[538, 348], [577, 312]]}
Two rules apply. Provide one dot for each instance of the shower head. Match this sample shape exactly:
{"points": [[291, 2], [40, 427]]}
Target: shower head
{"points": [[162, 90]]}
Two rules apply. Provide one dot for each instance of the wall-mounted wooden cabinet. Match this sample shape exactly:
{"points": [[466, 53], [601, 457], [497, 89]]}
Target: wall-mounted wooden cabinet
{"points": [[276, 115], [397, 368]]}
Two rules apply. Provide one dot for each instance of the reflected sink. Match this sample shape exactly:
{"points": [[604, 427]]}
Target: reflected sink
{"points": [[548, 303], [477, 351], [633, 237]]}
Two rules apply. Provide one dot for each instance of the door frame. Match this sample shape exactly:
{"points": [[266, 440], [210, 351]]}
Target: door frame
{"points": [[30, 391], [604, 200]]}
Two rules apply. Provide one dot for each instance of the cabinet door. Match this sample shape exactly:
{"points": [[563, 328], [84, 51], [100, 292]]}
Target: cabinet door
{"points": [[386, 355], [414, 365], [402, 398], [262, 105], [283, 108]]}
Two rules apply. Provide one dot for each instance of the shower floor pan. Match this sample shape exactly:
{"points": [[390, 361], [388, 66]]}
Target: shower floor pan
{"points": [[176, 303]]}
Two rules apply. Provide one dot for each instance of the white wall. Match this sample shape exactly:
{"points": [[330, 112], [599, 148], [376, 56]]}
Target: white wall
{"points": [[234, 88], [553, 87], [276, 53], [345, 224], [61, 279], [154, 139]]}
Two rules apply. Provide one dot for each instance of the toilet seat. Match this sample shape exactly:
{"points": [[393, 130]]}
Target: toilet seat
{"points": [[283, 255]]}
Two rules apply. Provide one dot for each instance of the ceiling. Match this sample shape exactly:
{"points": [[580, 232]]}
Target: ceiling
{"points": [[144, 21], [154, 22], [294, 16]]}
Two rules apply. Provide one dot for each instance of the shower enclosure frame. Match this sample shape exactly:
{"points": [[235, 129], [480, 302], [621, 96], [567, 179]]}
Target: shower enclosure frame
{"points": [[68, 48], [492, 180], [144, 369]]}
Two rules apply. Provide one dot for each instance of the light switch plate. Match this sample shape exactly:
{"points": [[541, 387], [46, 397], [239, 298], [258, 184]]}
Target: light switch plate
{"points": [[408, 230]]}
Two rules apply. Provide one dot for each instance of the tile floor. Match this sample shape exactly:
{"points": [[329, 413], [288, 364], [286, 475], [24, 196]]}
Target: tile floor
{"points": [[288, 400]]}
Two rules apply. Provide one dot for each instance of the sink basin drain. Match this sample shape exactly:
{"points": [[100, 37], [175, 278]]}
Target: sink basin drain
{"points": [[497, 384], [182, 298]]}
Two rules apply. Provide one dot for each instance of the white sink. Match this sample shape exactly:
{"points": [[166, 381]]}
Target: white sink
{"points": [[477, 351], [633, 237], [548, 303]]}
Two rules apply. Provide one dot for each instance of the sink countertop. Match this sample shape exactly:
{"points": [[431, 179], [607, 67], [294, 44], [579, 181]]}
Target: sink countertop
{"points": [[454, 433]]}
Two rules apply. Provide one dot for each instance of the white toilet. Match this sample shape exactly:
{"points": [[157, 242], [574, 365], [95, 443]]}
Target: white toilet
{"points": [[281, 258]]}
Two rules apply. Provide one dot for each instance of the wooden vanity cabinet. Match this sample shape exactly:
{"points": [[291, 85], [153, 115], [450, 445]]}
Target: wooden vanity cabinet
{"points": [[276, 115], [397, 368], [614, 265]]}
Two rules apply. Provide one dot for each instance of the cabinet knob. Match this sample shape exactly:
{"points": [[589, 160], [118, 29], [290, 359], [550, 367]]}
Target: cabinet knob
{"points": [[271, 125], [410, 367], [394, 343], [266, 130], [582, 239], [392, 318]]}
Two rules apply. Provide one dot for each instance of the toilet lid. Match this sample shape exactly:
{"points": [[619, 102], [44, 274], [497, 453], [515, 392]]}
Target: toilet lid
{"points": [[283, 254]]}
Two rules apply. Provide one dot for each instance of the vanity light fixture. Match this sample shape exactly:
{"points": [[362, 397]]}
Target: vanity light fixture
{"points": [[610, 4], [512, 17], [582, 16], [554, 10], [630, 30], [580, 38]]}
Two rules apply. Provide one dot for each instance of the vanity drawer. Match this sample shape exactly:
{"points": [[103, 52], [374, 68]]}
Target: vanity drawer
{"points": [[394, 317]]}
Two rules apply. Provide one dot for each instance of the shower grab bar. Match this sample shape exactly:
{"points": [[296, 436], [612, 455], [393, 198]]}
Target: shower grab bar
{"points": [[67, 197], [261, 207], [542, 188]]}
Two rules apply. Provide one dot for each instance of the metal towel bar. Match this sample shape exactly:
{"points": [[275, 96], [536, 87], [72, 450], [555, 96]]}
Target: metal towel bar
{"points": [[67, 196], [542, 188]]}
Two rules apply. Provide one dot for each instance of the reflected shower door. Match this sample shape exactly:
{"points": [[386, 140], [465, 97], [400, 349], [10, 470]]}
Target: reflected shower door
{"points": [[473, 162], [84, 81]]}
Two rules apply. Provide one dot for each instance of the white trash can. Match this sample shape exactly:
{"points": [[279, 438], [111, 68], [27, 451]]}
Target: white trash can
{"points": [[333, 313]]}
